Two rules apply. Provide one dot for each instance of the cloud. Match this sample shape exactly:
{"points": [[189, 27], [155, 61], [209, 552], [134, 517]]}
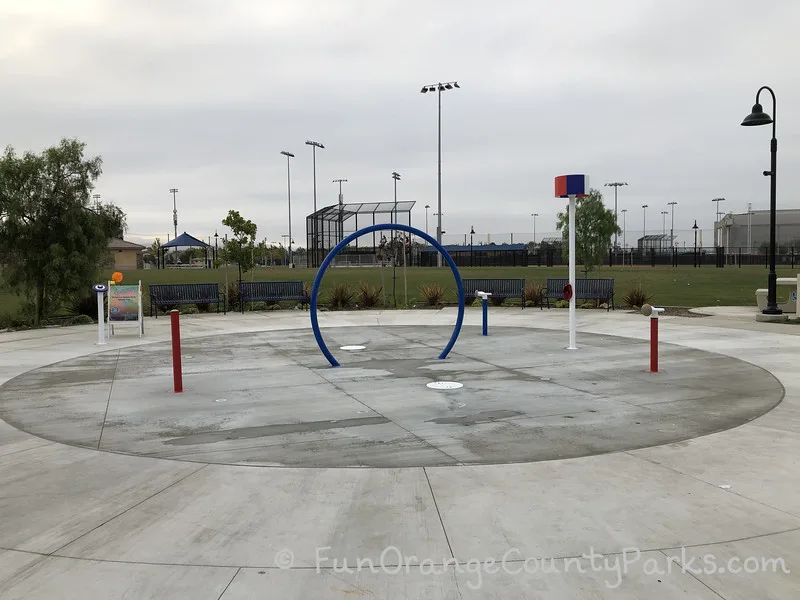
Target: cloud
{"points": [[203, 95]]}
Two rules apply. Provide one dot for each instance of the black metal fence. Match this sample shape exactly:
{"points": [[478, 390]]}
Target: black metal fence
{"points": [[702, 257]]}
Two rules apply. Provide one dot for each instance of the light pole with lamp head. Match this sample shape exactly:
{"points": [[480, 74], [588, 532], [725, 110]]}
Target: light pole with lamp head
{"points": [[664, 214], [471, 233], [624, 212], [341, 208], [758, 117], [216, 249], [644, 223], [427, 206], [534, 215], [716, 221], [439, 87], [615, 185], [174, 191], [289, 156], [672, 225], [314, 146], [695, 242]]}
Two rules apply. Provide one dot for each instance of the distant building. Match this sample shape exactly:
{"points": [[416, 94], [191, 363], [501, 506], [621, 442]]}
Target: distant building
{"points": [[126, 255], [736, 231], [659, 242]]}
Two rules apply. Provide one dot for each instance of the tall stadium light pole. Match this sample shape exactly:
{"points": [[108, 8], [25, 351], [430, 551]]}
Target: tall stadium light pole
{"points": [[672, 225], [758, 117], [341, 207], [749, 227], [174, 191], [427, 206], [624, 212], [396, 178], [314, 146], [439, 87], [664, 214], [716, 221], [615, 185], [340, 181], [96, 198], [534, 215], [644, 224], [289, 156]]}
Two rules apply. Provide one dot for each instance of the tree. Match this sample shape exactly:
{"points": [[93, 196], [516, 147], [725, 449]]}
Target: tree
{"points": [[154, 252], [594, 228], [53, 238], [241, 248]]}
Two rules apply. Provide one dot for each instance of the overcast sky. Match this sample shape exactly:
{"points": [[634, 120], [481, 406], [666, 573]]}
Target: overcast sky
{"points": [[202, 95]]}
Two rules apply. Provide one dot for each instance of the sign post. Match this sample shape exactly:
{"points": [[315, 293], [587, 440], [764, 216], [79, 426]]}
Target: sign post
{"points": [[653, 312], [125, 306], [572, 187], [485, 303], [100, 288]]}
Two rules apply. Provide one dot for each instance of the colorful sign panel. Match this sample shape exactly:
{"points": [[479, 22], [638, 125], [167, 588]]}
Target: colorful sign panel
{"points": [[123, 303], [572, 185]]}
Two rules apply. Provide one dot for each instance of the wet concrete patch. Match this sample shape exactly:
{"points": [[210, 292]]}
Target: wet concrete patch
{"points": [[246, 433], [524, 398], [488, 416]]}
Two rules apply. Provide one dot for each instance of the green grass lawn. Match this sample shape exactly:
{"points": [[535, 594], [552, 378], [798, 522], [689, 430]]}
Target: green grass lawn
{"points": [[670, 286]]}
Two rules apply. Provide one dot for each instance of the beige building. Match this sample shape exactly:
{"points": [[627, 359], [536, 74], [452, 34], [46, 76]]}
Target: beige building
{"points": [[127, 256]]}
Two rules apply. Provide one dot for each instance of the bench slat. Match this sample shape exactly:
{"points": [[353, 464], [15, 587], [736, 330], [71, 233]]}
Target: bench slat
{"points": [[269, 291], [164, 294], [585, 289], [499, 288]]}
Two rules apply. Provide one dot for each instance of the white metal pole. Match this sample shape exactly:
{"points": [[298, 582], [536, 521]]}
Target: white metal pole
{"points": [[572, 273], [100, 326]]}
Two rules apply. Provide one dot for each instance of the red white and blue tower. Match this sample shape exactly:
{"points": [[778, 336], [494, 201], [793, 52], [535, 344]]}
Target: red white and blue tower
{"points": [[572, 187]]}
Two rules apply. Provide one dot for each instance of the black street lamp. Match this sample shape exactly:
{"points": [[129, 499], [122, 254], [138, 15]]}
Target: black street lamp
{"points": [[759, 117], [471, 233], [695, 242], [216, 248]]}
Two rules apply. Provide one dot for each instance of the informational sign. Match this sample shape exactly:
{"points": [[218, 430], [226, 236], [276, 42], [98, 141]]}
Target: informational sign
{"points": [[123, 303], [125, 306]]}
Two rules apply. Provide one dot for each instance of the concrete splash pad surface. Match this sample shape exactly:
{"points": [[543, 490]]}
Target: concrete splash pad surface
{"points": [[271, 399]]}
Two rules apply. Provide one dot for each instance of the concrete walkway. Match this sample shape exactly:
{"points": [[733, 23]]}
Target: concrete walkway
{"points": [[714, 516]]}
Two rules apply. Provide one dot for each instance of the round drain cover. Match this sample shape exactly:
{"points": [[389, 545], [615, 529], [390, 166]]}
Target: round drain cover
{"points": [[445, 385], [352, 347]]}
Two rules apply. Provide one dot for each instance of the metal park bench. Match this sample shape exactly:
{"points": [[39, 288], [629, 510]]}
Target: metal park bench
{"points": [[499, 288], [585, 289], [270, 291], [173, 294]]}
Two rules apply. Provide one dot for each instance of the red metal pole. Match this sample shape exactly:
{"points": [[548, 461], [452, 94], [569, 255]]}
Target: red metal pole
{"points": [[177, 372], [654, 344]]}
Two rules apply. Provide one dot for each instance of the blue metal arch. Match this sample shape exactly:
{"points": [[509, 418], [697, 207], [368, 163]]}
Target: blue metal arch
{"points": [[380, 227]]}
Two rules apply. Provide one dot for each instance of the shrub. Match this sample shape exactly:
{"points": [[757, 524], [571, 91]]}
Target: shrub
{"points": [[534, 293], [637, 297], [232, 295], [368, 295], [80, 319], [188, 309], [433, 294], [86, 305], [305, 296], [203, 308], [562, 304], [340, 296], [258, 306], [496, 300]]}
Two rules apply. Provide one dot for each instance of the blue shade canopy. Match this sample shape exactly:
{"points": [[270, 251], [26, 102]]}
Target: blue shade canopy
{"points": [[185, 240]]}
